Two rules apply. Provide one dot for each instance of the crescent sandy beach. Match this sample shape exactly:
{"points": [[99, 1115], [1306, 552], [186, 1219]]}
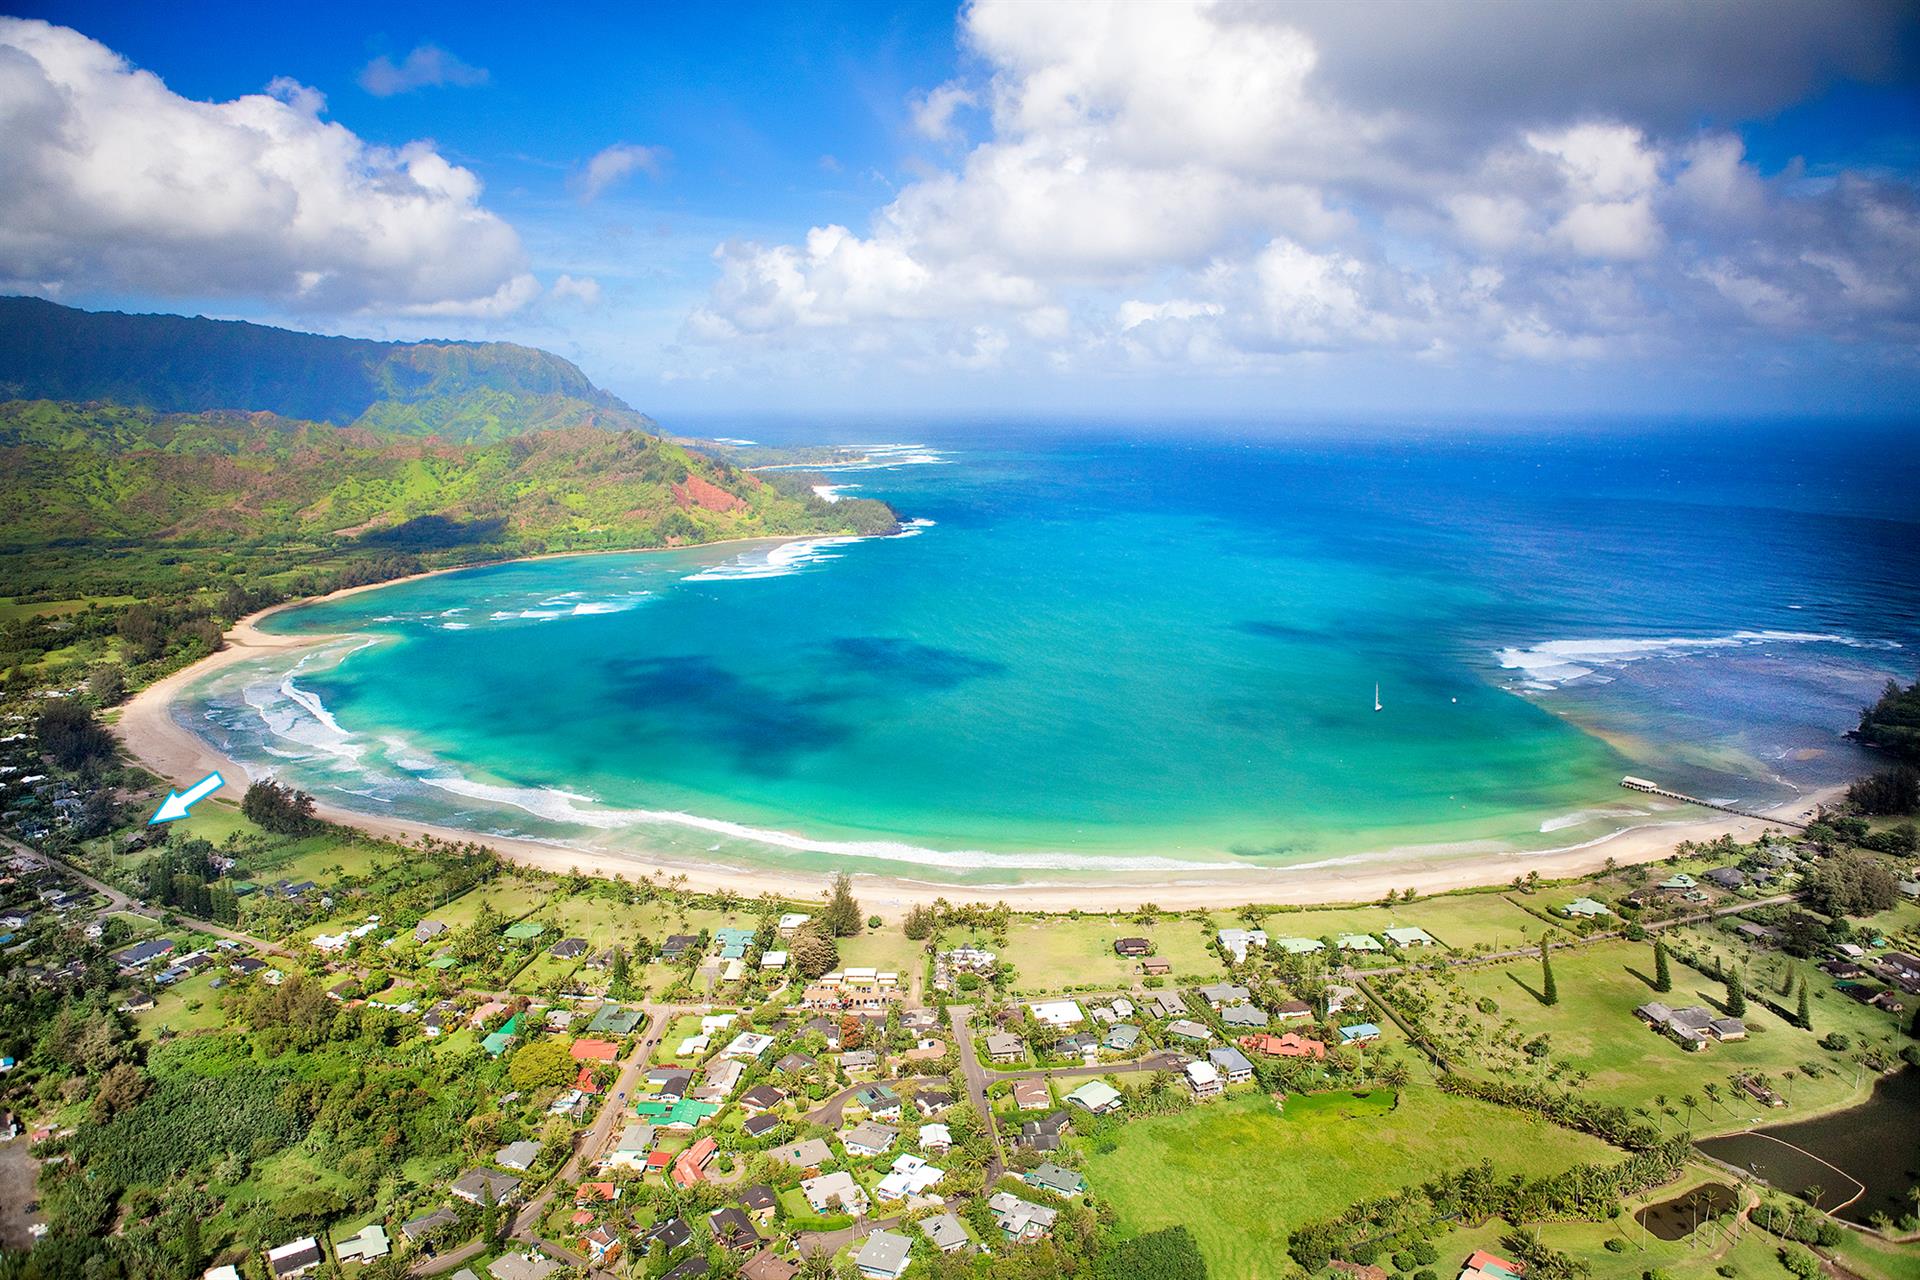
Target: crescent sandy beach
{"points": [[154, 735]]}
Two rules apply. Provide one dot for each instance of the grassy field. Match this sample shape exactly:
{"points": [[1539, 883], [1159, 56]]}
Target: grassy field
{"points": [[1051, 954], [1593, 1029], [12, 610], [1879, 1260], [191, 1005], [1460, 921], [1240, 1174]]}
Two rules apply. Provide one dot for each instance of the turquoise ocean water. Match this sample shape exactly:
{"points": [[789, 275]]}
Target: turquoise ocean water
{"points": [[1153, 655]]}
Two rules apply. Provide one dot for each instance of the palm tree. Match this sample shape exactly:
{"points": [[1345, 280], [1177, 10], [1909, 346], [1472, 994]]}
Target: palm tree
{"points": [[1691, 1103], [1712, 1091]]}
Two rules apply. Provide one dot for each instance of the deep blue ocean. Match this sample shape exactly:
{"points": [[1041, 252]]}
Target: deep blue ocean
{"points": [[1151, 650]]}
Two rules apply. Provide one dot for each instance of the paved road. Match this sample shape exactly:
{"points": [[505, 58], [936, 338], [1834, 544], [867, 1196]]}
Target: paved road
{"points": [[831, 1242], [829, 1112], [587, 1149], [1158, 1060], [118, 901], [959, 1016]]}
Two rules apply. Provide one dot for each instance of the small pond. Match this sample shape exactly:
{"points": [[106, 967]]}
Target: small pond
{"points": [[1866, 1158], [1679, 1217]]}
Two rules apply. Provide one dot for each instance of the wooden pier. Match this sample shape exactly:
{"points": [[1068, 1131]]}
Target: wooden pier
{"points": [[1632, 783]]}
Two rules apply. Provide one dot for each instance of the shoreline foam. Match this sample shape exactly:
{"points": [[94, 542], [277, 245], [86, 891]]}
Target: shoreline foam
{"points": [[151, 733]]}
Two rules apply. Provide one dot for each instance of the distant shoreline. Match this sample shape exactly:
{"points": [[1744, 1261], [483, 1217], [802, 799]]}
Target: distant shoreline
{"points": [[147, 727]]}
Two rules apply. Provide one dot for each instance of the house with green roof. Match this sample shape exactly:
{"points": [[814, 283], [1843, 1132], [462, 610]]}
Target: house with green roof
{"points": [[442, 963], [496, 1043], [1096, 1096], [1585, 909], [1299, 946], [683, 1114], [612, 1019], [526, 930]]}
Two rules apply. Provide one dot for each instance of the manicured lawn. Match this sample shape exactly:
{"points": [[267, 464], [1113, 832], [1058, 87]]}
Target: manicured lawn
{"points": [[171, 1006], [687, 1024], [1879, 1260], [217, 818], [1053, 954], [1594, 1029], [1240, 1174], [883, 948]]}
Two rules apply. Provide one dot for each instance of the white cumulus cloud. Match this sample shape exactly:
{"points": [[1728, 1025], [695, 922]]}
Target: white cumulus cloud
{"points": [[108, 179], [427, 67], [614, 165]]}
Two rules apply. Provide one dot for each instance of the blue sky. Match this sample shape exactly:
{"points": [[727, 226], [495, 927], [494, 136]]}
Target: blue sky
{"points": [[1021, 207]]}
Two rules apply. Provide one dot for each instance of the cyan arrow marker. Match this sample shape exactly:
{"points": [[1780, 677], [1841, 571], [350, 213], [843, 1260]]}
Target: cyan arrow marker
{"points": [[178, 802]]}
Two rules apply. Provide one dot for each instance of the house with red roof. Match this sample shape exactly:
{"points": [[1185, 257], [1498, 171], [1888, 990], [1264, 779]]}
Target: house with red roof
{"points": [[691, 1165], [1289, 1045], [584, 1081]]}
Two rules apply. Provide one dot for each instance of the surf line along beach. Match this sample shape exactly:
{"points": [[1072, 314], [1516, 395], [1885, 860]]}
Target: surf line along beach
{"points": [[153, 736]]}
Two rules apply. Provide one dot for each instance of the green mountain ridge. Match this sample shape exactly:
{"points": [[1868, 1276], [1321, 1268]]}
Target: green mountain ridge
{"points": [[107, 472], [186, 364]]}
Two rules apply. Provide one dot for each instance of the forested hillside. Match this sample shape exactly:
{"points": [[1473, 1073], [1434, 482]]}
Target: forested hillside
{"points": [[177, 364]]}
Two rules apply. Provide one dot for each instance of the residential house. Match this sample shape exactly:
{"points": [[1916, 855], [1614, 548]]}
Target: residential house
{"points": [[1021, 1220], [418, 1229], [1188, 1029], [568, 949], [1123, 1037], [869, 1139], [761, 1125], [517, 1155], [884, 1256], [1003, 1047], [1221, 994], [475, 1185], [1359, 1033], [1051, 1177], [1585, 909], [945, 1233], [1154, 967], [1243, 1016], [793, 1064], [1232, 1064], [1726, 877], [1031, 1095], [631, 1148], [880, 1102], [1289, 1045], [295, 1258], [760, 1098], [1203, 1079], [1358, 942], [931, 1102], [1132, 948], [1295, 1010], [1043, 1134], [1097, 1097], [809, 1153], [734, 1229], [1236, 942], [669, 1234], [759, 1201], [834, 1192], [690, 1166], [1410, 936], [910, 1176], [936, 1138]]}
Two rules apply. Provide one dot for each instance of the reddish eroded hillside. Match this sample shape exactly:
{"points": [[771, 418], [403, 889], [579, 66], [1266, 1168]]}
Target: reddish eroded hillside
{"points": [[697, 492]]}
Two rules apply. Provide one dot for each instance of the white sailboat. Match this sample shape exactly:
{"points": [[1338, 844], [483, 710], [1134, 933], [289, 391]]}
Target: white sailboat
{"points": [[1376, 698]]}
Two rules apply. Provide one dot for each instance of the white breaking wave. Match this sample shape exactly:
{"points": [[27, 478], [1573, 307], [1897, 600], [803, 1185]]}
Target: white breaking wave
{"points": [[1558, 662], [913, 528], [556, 805], [1580, 816], [774, 562], [456, 626]]}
